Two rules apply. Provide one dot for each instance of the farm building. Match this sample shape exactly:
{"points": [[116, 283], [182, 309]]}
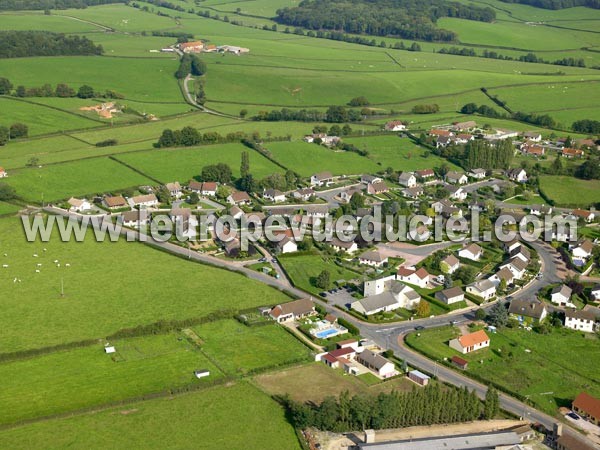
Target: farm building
{"points": [[419, 377]]}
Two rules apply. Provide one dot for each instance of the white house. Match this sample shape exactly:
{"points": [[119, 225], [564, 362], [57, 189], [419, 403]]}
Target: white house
{"points": [[450, 264], [368, 179], [79, 205], [538, 210], [472, 252], [419, 277], [343, 246], [384, 302], [287, 245], [519, 175], [586, 216], [580, 320], [517, 267], [454, 177], [273, 195], [583, 251], [484, 289], [595, 293], [321, 179], [209, 188], [457, 193], [135, 218], [297, 309], [236, 212], [503, 274], [377, 363], [317, 211], [303, 194], [561, 295], [532, 136], [373, 258], [144, 201], [174, 189], [450, 295], [478, 174], [238, 198], [395, 125], [407, 179], [470, 342]]}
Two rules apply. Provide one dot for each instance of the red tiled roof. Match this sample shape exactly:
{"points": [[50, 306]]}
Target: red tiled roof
{"points": [[585, 402], [478, 337]]}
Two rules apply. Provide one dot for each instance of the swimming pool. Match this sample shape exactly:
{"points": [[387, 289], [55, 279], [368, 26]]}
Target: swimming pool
{"points": [[324, 334]]}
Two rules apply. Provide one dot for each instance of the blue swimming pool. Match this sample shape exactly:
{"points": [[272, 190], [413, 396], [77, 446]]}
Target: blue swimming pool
{"points": [[326, 333]]}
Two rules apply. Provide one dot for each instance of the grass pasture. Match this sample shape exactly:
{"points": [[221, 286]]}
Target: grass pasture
{"points": [[108, 286], [61, 181], [203, 420], [36, 20], [8, 208], [239, 349], [186, 163], [307, 159], [549, 379], [569, 191], [88, 377]]}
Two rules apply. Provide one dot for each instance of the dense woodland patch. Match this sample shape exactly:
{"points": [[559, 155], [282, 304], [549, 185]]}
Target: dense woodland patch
{"points": [[14, 5], [21, 44], [557, 4]]}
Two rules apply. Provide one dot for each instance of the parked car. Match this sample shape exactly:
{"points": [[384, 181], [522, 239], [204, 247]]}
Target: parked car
{"points": [[419, 327]]}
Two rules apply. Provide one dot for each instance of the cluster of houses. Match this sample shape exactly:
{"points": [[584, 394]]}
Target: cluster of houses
{"points": [[3, 173], [356, 358], [532, 144], [205, 47]]}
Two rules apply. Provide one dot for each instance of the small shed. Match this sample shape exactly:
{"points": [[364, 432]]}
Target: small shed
{"points": [[369, 436], [460, 362], [201, 373], [419, 377], [110, 349]]}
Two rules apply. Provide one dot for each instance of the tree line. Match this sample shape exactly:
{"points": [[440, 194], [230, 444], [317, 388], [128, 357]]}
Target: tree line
{"points": [[586, 126], [410, 19], [21, 44], [190, 64], [16, 5], [529, 57], [16, 130], [557, 4], [431, 405], [334, 114], [480, 153], [190, 136], [542, 120], [61, 90]]}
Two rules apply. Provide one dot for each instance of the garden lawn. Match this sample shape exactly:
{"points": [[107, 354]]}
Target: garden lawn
{"points": [[558, 366], [239, 349], [304, 270], [398, 153], [88, 376], [570, 191], [307, 159], [223, 417], [108, 286], [183, 164], [76, 178]]}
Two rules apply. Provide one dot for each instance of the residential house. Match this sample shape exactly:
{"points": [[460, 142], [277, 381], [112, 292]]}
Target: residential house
{"points": [[337, 357], [236, 212], [572, 153], [522, 253], [209, 188], [303, 194], [373, 258], [478, 174], [321, 179], [418, 277], [463, 138], [386, 294], [586, 216], [394, 125], [317, 211], [233, 49], [588, 407], [483, 289], [117, 202], [464, 126], [425, 175], [418, 377], [443, 141], [144, 201], [471, 251], [191, 47], [347, 194], [79, 205], [195, 186], [510, 246], [273, 195], [295, 310], [503, 274], [3, 173], [450, 295], [377, 188], [343, 246], [368, 179], [407, 179], [561, 295], [527, 311], [377, 363], [539, 210], [450, 264], [135, 218], [456, 192], [534, 150], [287, 245], [238, 198], [583, 250], [532, 136], [446, 208], [517, 266], [440, 133], [174, 189], [383, 302], [519, 175], [595, 293], [454, 177], [470, 342], [580, 320], [413, 192]]}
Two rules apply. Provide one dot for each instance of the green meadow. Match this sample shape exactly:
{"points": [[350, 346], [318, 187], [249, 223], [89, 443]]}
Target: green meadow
{"points": [[108, 286], [36, 20], [569, 191], [204, 420], [89, 377]]}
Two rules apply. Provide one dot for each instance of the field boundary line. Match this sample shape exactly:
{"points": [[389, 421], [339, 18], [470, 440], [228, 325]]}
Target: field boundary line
{"points": [[138, 171], [23, 100]]}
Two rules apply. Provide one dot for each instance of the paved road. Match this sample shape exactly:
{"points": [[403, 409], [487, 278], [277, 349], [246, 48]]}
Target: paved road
{"points": [[391, 335], [192, 101]]}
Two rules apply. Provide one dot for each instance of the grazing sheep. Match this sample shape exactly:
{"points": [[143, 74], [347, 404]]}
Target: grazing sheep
{"points": [[35, 255], [37, 271], [5, 266], [67, 265], [39, 264]]}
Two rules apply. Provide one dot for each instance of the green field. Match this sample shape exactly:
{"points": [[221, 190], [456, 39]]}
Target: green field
{"points": [[304, 269], [185, 163], [62, 181], [204, 419], [109, 286], [88, 377], [398, 153], [8, 208], [307, 159], [228, 342], [543, 373], [569, 191], [30, 20]]}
